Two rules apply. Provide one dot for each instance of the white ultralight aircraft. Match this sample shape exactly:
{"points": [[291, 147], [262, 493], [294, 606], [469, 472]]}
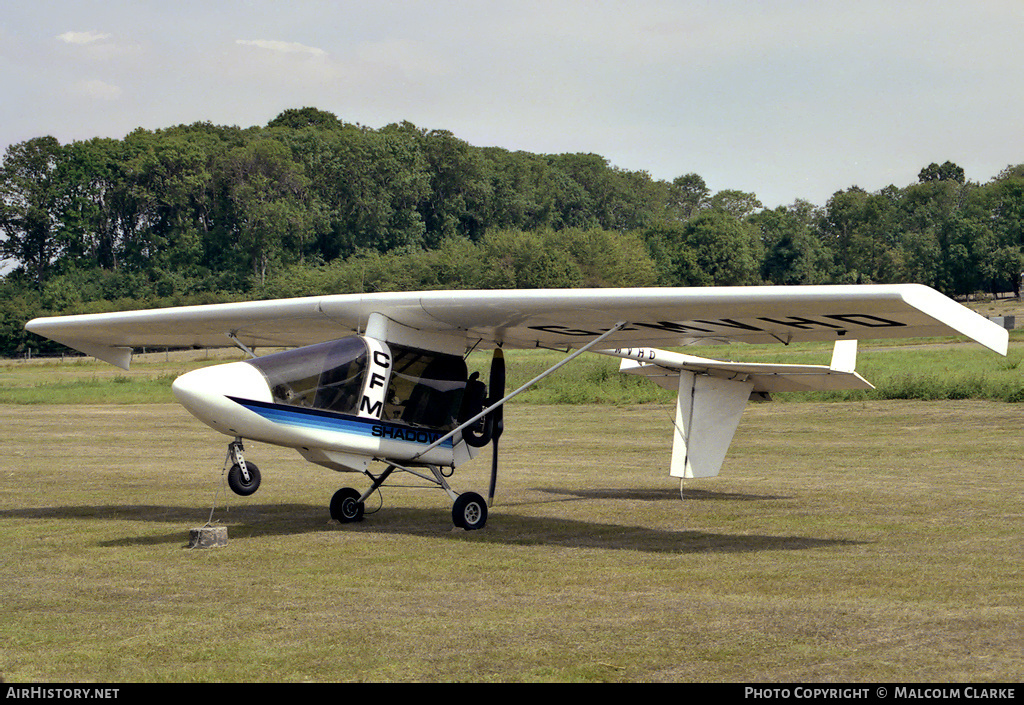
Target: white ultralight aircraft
{"points": [[382, 378]]}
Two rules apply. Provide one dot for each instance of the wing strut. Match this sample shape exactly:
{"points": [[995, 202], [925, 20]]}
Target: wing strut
{"points": [[242, 346], [614, 329]]}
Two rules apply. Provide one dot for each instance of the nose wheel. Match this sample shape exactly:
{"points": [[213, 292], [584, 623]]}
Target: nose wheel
{"points": [[244, 482], [243, 477]]}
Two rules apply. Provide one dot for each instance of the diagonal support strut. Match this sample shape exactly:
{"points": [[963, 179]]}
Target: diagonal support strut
{"points": [[614, 329]]}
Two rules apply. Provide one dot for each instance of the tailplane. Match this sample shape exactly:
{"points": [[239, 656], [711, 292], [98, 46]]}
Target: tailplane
{"points": [[713, 393]]}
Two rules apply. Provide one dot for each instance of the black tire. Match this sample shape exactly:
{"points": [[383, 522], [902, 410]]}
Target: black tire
{"points": [[238, 484], [469, 511], [345, 506]]}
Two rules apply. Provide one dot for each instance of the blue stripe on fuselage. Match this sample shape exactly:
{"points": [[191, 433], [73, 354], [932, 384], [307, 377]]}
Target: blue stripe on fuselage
{"points": [[342, 423]]}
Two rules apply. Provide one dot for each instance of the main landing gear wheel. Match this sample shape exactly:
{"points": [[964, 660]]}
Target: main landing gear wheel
{"points": [[469, 511], [238, 483], [345, 506]]}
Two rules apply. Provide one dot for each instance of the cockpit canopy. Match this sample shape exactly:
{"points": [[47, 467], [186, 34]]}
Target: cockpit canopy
{"points": [[423, 388]]}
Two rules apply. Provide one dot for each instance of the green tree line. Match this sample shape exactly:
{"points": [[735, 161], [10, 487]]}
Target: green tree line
{"points": [[310, 204]]}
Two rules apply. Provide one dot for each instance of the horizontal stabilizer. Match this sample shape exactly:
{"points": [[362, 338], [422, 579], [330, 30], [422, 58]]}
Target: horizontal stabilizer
{"points": [[663, 367]]}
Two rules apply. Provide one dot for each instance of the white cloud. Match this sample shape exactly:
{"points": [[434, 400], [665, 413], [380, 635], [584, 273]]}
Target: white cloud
{"points": [[281, 47], [82, 38]]}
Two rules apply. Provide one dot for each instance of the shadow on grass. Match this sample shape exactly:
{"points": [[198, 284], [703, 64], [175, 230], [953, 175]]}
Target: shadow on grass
{"points": [[658, 495], [269, 520]]}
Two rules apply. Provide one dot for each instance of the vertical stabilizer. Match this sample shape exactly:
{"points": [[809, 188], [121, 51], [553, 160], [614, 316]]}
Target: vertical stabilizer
{"points": [[708, 411], [844, 356]]}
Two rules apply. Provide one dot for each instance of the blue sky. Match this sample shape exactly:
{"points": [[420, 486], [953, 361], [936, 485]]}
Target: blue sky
{"points": [[788, 99]]}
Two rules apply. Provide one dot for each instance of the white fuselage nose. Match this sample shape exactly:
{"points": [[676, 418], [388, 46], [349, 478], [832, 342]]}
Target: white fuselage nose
{"points": [[205, 393], [236, 400]]}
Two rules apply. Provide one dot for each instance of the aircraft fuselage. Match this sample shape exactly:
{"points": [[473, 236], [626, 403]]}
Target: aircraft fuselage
{"points": [[340, 403]]}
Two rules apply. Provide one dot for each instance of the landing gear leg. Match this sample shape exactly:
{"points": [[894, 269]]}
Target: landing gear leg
{"points": [[469, 510], [347, 505], [243, 477]]}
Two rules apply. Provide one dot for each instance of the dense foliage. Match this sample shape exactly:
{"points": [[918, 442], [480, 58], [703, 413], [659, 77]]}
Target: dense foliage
{"points": [[311, 204]]}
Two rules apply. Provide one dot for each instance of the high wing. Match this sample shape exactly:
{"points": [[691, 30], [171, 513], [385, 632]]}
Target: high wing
{"points": [[558, 318]]}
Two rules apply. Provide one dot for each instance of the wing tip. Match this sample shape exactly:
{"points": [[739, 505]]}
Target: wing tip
{"points": [[119, 356]]}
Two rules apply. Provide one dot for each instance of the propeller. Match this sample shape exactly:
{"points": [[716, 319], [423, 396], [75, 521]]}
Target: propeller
{"points": [[490, 427], [496, 419]]}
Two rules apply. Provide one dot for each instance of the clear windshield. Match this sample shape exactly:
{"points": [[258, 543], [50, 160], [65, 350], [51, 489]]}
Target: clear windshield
{"points": [[425, 388], [324, 376]]}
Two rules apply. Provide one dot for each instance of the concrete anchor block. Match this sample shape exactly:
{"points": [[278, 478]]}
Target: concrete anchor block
{"points": [[208, 537]]}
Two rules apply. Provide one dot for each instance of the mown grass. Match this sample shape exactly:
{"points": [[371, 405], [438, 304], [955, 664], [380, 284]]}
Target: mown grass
{"points": [[873, 541], [121, 389]]}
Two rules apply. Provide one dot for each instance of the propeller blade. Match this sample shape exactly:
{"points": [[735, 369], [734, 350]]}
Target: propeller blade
{"points": [[496, 391], [494, 472]]}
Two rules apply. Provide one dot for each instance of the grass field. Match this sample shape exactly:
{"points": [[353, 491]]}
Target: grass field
{"points": [[858, 541]]}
